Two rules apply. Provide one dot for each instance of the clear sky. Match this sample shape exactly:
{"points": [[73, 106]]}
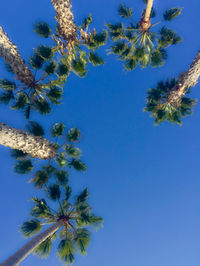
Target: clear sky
{"points": [[143, 180]]}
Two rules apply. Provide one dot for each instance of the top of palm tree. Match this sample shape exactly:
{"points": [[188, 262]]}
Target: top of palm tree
{"points": [[168, 101], [136, 43], [165, 103], [76, 216], [67, 156]]}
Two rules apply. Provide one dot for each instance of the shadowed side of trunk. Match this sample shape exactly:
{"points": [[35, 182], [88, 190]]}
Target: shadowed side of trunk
{"points": [[38, 147], [28, 248]]}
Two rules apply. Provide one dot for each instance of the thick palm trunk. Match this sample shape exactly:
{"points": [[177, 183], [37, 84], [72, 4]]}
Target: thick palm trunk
{"points": [[17, 139], [23, 252], [190, 78], [65, 19], [146, 18], [186, 79], [12, 57]]}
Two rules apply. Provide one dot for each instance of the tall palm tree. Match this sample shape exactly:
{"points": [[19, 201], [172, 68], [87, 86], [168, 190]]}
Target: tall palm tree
{"points": [[32, 91], [168, 100], [136, 44], [36, 146], [69, 224], [12, 57], [72, 40]]}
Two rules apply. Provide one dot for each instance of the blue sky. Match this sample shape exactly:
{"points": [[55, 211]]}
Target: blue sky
{"points": [[143, 180]]}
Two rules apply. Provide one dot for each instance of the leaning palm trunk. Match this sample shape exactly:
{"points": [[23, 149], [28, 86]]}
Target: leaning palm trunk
{"points": [[12, 57], [65, 19], [23, 252], [187, 79], [146, 18], [37, 146]]}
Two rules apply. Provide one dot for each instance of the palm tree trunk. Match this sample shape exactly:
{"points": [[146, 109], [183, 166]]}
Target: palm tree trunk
{"points": [[65, 19], [23, 252], [145, 22], [37, 146], [190, 78], [12, 57], [148, 9], [187, 79]]}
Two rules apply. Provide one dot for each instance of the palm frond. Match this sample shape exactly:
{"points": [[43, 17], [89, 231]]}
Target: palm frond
{"points": [[23, 166], [31, 228]]}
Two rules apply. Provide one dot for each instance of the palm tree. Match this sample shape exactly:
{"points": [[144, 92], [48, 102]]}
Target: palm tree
{"points": [[12, 57], [168, 101], [72, 40], [51, 64], [136, 44], [57, 168], [69, 224], [36, 92], [36, 146]]}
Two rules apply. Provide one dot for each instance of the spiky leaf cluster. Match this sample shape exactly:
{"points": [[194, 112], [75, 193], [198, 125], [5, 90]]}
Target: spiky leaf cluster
{"points": [[77, 216], [78, 51], [138, 44], [56, 169], [161, 110], [43, 93]]}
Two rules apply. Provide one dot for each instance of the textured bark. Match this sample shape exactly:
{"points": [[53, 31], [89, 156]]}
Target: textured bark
{"points": [[38, 147], [65, 19], [175, 96], [187, 80], [12, 57], [23, 252], [190, 78]]}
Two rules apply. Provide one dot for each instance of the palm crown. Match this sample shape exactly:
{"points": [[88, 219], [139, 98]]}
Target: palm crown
{"points": [[159, 105], [168, 100], [136, 43], [76, 217], [56, 168]]}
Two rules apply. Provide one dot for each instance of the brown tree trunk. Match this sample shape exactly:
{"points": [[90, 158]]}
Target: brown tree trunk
{"points": [[12, 57], [23, 252], [65, 19], [187, 79], [38, 147]]}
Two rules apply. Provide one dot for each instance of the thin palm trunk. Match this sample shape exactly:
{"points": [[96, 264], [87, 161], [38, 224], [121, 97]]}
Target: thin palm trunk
{"points": [[28, 248], [148, 9], [65, 19], [12, 57], [145, 22], [187, 79], [37, 146]]}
